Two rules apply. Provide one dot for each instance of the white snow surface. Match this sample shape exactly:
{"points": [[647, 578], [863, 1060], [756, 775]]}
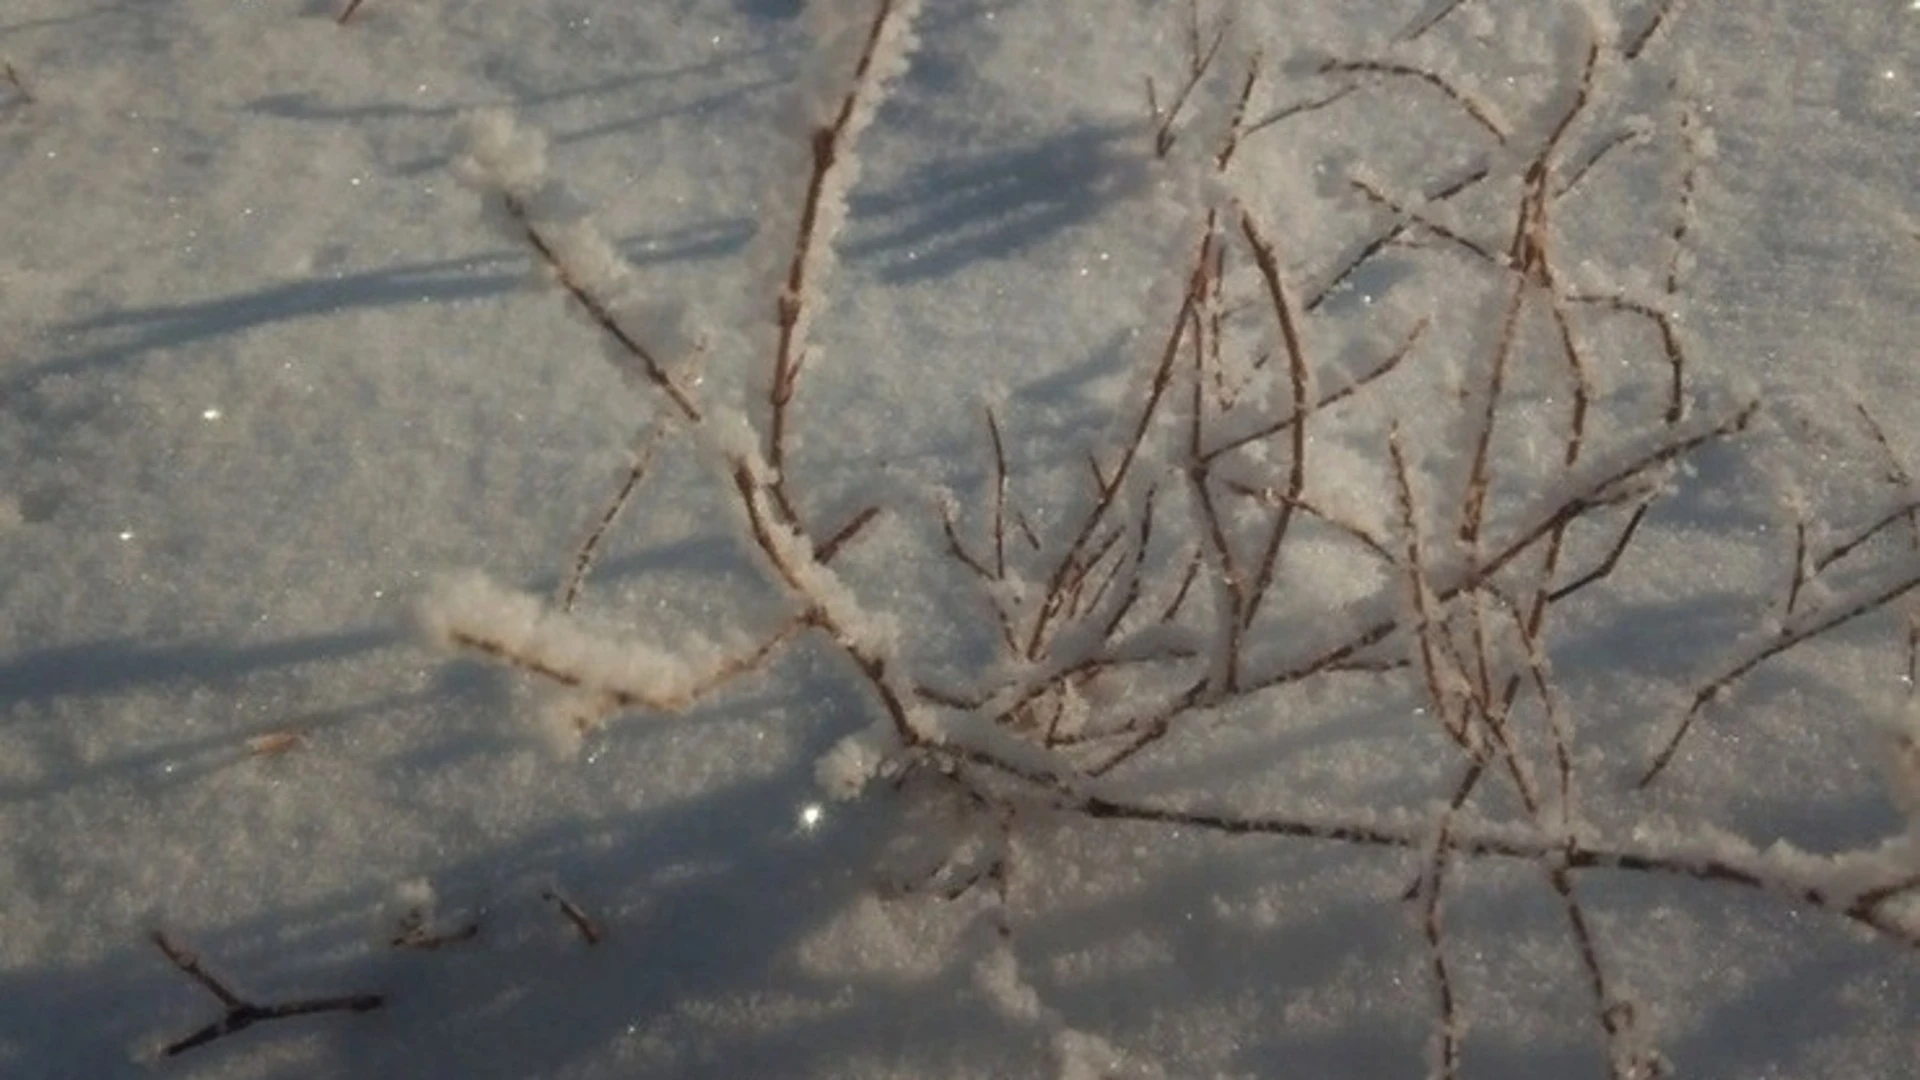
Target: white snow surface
{"points": [[267, 376]]}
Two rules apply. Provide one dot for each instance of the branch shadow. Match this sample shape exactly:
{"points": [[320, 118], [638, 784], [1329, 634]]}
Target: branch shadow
{"points": [[115, 665], [949, 213], [704, 903]]}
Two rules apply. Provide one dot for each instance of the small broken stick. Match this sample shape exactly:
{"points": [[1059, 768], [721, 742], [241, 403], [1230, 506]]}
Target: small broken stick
{"points": [[275, 743], [589, 932]]}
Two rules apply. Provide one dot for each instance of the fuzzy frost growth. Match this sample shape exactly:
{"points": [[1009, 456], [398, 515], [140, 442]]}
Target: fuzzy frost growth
{"points": [[844, 771], [519, 629], [499, 155]]}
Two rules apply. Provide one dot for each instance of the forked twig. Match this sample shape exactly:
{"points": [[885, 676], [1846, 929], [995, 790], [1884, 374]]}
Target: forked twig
{"points": [[1366, 251], [242, 1014], [1200, 57], [1473, 107]]}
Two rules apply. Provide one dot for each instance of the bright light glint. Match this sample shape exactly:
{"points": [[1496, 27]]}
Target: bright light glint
{"points": [[810, 816]]}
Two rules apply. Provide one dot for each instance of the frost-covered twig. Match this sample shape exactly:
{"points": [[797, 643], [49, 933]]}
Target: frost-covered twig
{"points": [[1164, 596], [1854, 886], [1808, 625]]}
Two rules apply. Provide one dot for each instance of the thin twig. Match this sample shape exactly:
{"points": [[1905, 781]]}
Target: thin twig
{"points": [[583, 556], [1427, 22], [1299, 108], [1446, 1021], [1480, 114], [1744, 870], [22, 95], [1637, 42], [825, 551], [596, 308]]}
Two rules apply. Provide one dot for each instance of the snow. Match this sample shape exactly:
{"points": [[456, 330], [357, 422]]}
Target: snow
{"points": [[275, 399]]}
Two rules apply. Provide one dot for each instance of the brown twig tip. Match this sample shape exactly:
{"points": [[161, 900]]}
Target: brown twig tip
{"points": [[21, 93], [630, 481], [347, 12], [589, 930], [242, 1014], [827, 549], [275, 743], [1657, 18]]}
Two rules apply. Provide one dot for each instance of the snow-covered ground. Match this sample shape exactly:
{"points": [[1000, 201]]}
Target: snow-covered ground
{"points": [[269, 379]]}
